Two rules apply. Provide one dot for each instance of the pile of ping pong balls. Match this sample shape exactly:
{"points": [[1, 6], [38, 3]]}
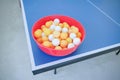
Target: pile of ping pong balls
{"points": [[56, 35]]}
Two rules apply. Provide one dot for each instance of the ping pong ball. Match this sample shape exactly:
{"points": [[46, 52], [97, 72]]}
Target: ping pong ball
{"points": [[38, 33], [55, 42], [43, 34], [58, 28], [48, 23], [43, 26], [56, 34], [79, 34], [39, 40], [63, 43], [71, 45], [44, 38], [51, 45], [76, 41], [52, 27], [69, 40], [64, 29], [46, 44], [50, 37], [58, 48], [47, 32], [63, 35], [56, 21], [61, 25], [74, 29], [65, 24], [72, 35]]}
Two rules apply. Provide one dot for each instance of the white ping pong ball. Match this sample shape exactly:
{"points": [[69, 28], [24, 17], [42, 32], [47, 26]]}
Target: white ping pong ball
{"points": [[56, 21], [70, 45], [43, 34], [76, 41], [52, 27], [51, 37], [55, 42], [58, 28], [72, 35], [64, 29]]}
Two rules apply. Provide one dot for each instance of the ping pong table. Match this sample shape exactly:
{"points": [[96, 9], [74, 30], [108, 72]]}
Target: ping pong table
{"points": [[100, 18]]}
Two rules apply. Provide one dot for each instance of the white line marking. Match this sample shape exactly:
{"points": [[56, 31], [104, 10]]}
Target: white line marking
{"points": [[27, 35], [104, 13]]}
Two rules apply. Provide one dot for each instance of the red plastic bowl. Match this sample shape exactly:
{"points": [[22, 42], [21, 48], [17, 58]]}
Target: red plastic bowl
{"points": [[62, 18]]}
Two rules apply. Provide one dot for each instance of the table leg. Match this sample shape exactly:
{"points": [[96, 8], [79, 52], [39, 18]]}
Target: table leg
{"points": [[55, 71], [19, 3], [118, 52]]}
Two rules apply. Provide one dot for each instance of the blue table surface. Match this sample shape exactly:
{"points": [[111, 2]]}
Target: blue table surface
{"points": [[110, 7], [100, 30]]}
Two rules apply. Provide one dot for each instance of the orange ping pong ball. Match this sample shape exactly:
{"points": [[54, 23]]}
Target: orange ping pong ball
{"points": [[38, 33], [61, 25], [65, 24], [58, 48], [79, 34], [39, 40], [56, 34], [46, 44], [44, 38], [74, 29], [63, 43], [48, 24], [63, 35], [47, 31], [43, 26], [69, 40]]}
